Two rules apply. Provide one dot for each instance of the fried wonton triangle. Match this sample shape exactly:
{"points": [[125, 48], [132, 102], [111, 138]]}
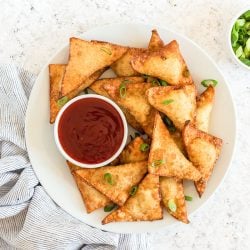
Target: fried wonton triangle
{"points": [[155, 41], [172, 190], [92, 198], [122, 67], [177, 137], [203, 150], [177, 102], [166, 63], [97, 86], [136, 150], [85, 58], [115, 182], [144, 205], [56, 73], [204, 108], [165, 158], [133, 99]]}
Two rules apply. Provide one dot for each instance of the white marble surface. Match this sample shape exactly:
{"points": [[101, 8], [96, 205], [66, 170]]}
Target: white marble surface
{"points": [[32, 30]]}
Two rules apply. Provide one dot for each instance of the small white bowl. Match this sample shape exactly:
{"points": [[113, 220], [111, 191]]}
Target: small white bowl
{"points": [[65, 154], [229, 37]]}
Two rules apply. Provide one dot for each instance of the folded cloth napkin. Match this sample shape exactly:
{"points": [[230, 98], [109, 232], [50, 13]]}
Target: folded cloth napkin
{"points": [[29, 219]]}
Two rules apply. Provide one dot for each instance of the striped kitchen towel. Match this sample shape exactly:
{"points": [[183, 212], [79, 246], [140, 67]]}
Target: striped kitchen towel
{"points": [[29, 219]]}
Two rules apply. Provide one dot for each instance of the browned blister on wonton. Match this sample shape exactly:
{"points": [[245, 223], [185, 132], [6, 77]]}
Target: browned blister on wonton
{"points": [[172, 189], [85, 58], [115, 182], [204, 108], [165, 158], [97, 86], [132, 97], [144, 205], [122, 67], [155, 41], [166, 64], [92, 198], [203, 150], [133, 152], [177, 102]]}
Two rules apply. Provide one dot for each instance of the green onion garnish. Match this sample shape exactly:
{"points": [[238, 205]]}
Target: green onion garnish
{"points": [[169, 124], [171, 205], [163, 83], [145, 76], [168, 101], [188, 198], [106, 50], [155, 82], [62, 101], [133, 190], [144, 147], [240, 38], [108, 178], [157, 163], [109, 207], [122, 88], [209, 82]]}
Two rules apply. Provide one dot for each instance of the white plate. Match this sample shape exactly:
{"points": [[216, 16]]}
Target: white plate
{"points": [[50, 166]]}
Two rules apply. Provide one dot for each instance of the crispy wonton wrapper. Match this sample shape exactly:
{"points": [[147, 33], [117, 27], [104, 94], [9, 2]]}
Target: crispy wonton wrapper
{"points": [[177, 102], [115, 182], [203, 150], [144, 205], [133, 152], [85, 58], [166, 64], [155, 41], [165, 158], [97, 86], [92, 198], [172, 189], [56, 73], [204, 108], [135, 102]]}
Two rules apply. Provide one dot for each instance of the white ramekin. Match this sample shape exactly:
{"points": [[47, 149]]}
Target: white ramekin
{"points": [[229, 37], [68, 157]]}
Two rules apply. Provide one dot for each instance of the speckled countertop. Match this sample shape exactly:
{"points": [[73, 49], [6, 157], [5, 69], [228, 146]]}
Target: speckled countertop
{"points": [[32, 30]]}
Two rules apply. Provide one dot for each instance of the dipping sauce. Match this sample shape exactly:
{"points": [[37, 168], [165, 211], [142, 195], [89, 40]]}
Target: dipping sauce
{"points": [[90, 130]]}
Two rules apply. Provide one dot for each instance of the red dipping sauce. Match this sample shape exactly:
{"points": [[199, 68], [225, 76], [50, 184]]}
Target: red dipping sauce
{"points": [[90, 130]]}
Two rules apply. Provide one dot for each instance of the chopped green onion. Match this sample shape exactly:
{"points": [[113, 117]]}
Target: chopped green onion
{"points": [[109, 207], [145, 76], [62, 101], [168, 101], [144, 147], [169, 124], [209, 82], [133, 190], [239, 52], [247, 15], [157, 163], [123, 89], [188, 198], [163, 83], [106, 50], [171, 205], [108, 178], [240, 23], [245, 61], [155, 82]]}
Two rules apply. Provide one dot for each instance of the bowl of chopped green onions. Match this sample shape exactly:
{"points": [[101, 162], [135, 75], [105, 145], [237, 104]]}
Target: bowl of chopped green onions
{"points": [[239, 38]]}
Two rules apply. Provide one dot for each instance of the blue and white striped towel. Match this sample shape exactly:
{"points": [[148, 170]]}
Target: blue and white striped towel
{"points": [[29, 219]]}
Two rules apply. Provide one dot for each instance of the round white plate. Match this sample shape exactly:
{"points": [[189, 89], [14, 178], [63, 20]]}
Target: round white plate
{"points": [[50, 166]]}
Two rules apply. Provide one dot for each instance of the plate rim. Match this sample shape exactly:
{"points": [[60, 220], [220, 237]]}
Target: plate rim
{"points": [[145, 25]]}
